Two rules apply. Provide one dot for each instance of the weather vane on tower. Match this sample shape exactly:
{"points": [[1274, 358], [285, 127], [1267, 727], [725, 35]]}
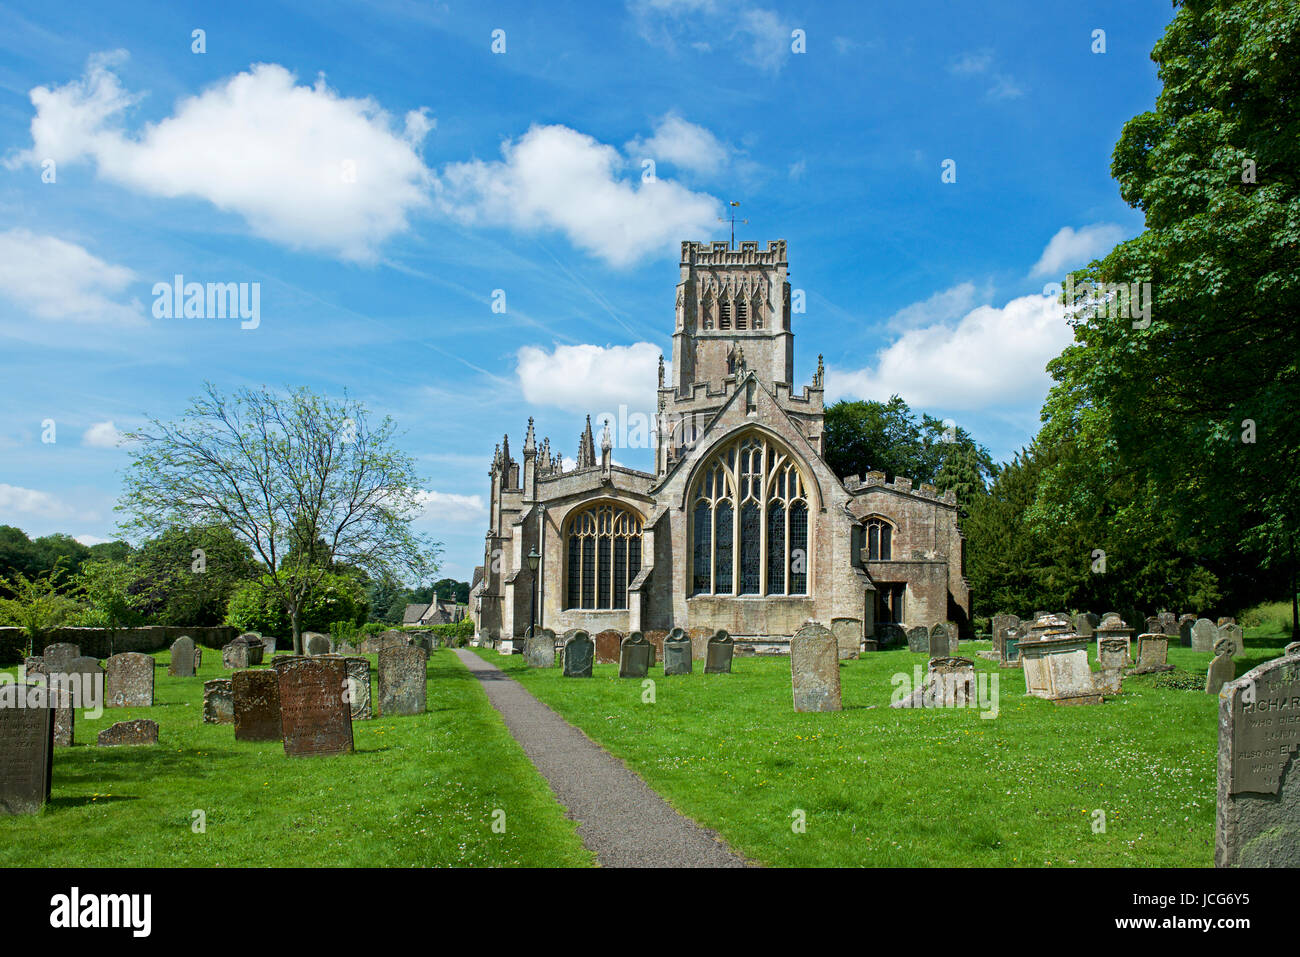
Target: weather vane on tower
{"points": [[744, 222]]}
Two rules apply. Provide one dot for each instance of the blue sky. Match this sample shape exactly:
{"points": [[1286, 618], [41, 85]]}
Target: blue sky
{"points": [[381, 173]]}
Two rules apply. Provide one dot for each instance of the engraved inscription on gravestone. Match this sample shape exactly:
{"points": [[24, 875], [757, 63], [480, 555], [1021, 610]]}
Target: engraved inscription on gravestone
{"points": [[678, 656], [182, 661], [257, 705], [578, 655], [719, 654], [314, 717], [359, 688], [634, 656], [26, 752], [403, 680], [128, 680], [815, 669]]}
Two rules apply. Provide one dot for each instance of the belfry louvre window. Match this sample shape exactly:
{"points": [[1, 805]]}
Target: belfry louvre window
{"points": [[749, 522], [880, 535], [604, 550]]}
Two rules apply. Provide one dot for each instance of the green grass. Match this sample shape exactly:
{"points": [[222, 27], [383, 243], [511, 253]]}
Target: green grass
{"points": [[881, 786], [419, 791]]}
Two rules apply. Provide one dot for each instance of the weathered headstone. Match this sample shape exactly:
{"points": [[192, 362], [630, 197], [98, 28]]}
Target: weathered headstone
{"points": [[1204, 634], [1084, 624], [218, 702], [314, 643], [256, 697], [238, 654], [1168, 624], [940, 641], [129, 733], [719, 654], [656, 637], [1115, 628], [256, 649], [1153, 654], [815, 669], [998, 626], [1222, 669], [607, 645], [1257, 820], [315, 718], [891, 635], [1233, 633], [949, 683], [578, 655], [198, 659], [128, 680], [918, 639], [1112, 653], [678, 656], [1185, 630], [58, 655], [699, 641], [539, 649], [26, 752], [848, 635], [182, 664], [359, 688], [403, 680], [1056, 668], [1010, 650], [65, 720], [634, 656]]}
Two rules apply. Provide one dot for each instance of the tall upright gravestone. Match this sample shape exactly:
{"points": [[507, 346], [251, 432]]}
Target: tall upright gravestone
{"points": [[1204, 634], [26, 752], [539, 649], [315, 718], [257, 705], [128, 680], [359, 688], [403, 680], [918, 639], [634, 656], [578, 655], [719, 653], [1222, 669], [678, 656], [815, 669], [940, 641], [182, 663], [607, 646], [1257, 819]]}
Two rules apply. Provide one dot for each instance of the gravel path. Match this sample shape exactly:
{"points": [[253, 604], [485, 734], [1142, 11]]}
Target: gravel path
{"points": [[619, 818]]}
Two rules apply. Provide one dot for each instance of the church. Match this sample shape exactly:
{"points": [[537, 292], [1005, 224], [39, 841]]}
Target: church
{"points": [[742, 525]]}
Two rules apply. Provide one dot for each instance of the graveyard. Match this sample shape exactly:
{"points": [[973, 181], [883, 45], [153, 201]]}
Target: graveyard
{"points": [[870, 785]]}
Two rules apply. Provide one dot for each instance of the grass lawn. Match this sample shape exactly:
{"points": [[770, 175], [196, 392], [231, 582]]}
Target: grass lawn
{"points": [[880, 786], [419, 791]]}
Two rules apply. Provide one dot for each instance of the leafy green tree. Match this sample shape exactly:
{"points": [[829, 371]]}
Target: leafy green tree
{"points": [[106, 586], [185, 576], [284, 472], [256, 606], [37, 604]]}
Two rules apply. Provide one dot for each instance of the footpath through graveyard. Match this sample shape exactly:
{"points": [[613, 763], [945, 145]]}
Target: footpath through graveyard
{"points": [[620, 818]]}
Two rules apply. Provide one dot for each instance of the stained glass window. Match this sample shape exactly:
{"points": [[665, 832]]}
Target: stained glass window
{"points": [[722, 553], [604, 544]]}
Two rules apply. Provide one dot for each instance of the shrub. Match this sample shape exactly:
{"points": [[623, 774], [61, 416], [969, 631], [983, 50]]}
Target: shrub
{"points": [[255, 607], [1273, 615]]}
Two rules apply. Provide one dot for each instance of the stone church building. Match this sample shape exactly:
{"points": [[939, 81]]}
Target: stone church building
{"points": [[742, 525]]}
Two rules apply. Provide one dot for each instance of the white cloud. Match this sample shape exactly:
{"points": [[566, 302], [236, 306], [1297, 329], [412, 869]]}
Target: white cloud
{"points": [[1004, 88], [757, 35], [27, 501], [302, 165], [89, 540], [971, 63], [768, 39], [683, 144], [102, 435], [447, 507], [797, 169], [54, 279], [1069, 249], [554, 177], [588, 378], [991, 358], [943, 306]]}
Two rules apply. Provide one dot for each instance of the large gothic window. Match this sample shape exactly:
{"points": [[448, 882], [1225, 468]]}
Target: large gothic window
{"points": [[604, 550], [880, 540], [749, 522]]}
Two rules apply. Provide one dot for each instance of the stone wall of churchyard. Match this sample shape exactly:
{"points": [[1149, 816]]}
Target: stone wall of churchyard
{"points": [[95, 642]]}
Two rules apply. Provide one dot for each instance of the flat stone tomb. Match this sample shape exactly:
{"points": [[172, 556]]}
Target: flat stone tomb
{"points": [[678, 656], [815, 669], [1057, 669], [257, 705], [578, 655], [634, 656], [1257, 820], [718, 654], [403, 680], [315, 718], [128, 680], [26, 751]]}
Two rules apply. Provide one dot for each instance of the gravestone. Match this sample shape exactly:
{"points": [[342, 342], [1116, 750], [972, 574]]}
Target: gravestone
{"points": [[949, 683], [1204, 634], [1152, 625], [699, 642], [315, 643], [403, 680], [578, 655], [1153, 654], [65, 720], [268, 647], [718, 655], [26, 753], [129, 734], [607, 645], [1056, 668], [57, 655], [218, 702], [238, 654], [1257, 819], [1011, 639], [634, 656], [128, 680], [1222, 669], [918, 640], [1168, 624], [539, 649], [891, 635], [256, 649], [256, 697], [359, 688], [1115, 628], [81, 678], [1185, 630], [998, 626], [940, 641], [182, 664], [1233, 633], [1112, 653], [1226, 620], [422, 641], [678, 656], [848, 634], [656, 637], [1084, 625], [198, 659], [815, 669], [314, 717]]}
